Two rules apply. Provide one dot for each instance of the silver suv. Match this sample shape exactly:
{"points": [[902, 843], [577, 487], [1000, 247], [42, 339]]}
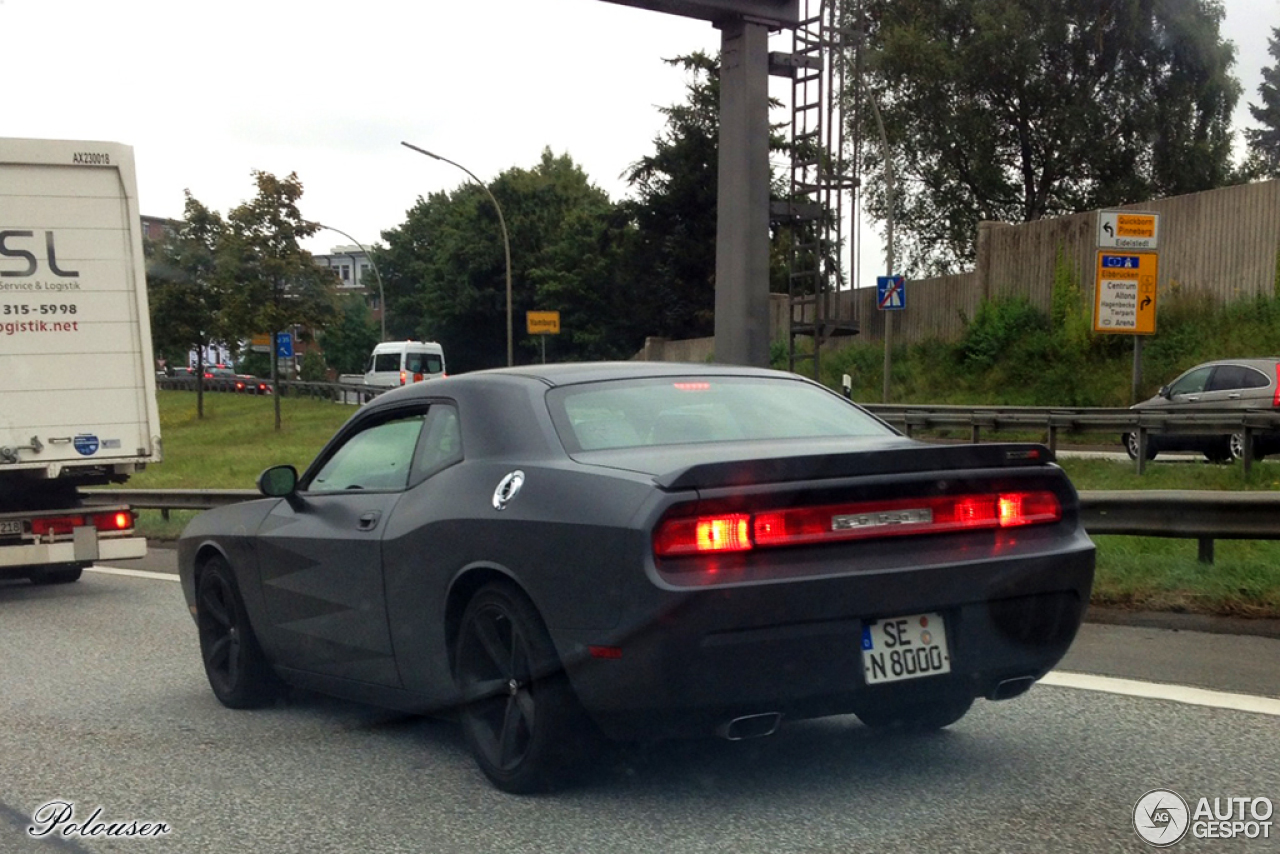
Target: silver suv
{"points": [[1224, 384]]}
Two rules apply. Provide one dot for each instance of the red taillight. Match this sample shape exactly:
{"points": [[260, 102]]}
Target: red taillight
{"points": [[417, 378], [1275, 401], [702, 534], [118, 520], [403, 377], [55, 525], [686, 535]]}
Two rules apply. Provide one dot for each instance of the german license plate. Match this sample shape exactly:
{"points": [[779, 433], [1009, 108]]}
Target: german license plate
{"points": [[904, 648], [14, 527]]}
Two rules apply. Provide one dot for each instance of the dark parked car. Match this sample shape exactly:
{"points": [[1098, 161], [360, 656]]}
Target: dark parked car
{"points": [[639, 550], [1225, 384]]}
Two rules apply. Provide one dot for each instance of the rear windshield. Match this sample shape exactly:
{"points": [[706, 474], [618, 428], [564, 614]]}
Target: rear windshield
{"points": [[423, 363], [636, 413]]}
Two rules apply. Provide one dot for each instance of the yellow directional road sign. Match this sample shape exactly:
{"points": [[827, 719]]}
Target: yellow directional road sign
{"points": [[1125, 292], [543, 322]]}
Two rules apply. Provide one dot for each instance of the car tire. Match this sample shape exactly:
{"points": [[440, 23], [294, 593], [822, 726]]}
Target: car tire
{"points": [[1131, 446], [918, 716], [519, 714], [1235, 448], [56, 575], [1220, 454], [238, 670]]}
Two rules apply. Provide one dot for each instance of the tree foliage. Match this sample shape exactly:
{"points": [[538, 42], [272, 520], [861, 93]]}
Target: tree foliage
{"points": [[444, 269], [1014, 110], [272, 284], [185, 294], [1264, 142], [348, 342]]}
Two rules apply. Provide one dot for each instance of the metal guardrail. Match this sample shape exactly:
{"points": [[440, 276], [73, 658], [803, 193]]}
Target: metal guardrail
{"points": [[1056, 420], [340, 392], [1205, 516]]}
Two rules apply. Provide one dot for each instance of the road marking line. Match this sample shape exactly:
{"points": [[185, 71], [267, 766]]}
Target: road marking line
{"points": [[1163, 691], [134, 573]]}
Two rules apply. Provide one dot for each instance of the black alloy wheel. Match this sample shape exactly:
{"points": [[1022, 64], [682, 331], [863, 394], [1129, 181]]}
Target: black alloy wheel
{"points": [[519, 713], [238, 671]]}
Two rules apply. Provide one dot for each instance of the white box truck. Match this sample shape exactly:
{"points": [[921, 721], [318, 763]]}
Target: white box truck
{"points": [[77, 377]]}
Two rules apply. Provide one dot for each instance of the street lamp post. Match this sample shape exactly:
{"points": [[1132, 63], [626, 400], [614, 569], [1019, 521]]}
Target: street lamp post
{"points": [[506, 242], [382, 297]]}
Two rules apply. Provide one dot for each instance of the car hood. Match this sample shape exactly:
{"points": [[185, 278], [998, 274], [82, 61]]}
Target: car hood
{"points": [[709, 465]]}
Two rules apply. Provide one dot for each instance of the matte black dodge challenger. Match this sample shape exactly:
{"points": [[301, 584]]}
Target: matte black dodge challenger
{"points": [[639, 550]]}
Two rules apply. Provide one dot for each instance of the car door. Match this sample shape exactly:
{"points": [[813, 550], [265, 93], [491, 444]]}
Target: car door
{"points": [[320, 554]]}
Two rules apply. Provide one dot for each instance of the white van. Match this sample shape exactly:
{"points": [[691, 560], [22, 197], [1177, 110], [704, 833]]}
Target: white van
{"points": [[396, 363]]}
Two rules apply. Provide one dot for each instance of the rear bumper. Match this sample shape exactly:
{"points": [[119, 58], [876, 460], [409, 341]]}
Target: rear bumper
{"points": [[795, 648], [82, 552]]}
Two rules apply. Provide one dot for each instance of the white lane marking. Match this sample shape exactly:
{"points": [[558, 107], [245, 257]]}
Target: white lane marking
{"points": [[1163, 691], [134, 573]]}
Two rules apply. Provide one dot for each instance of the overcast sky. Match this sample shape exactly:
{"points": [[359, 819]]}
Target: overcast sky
{"points": [[206, 92]]}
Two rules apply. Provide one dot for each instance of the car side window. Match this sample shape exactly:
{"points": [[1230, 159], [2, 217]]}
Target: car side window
{"points": [[378, 457], [1191, 383], [1227, 378], [441, 443], [1253, 378]]}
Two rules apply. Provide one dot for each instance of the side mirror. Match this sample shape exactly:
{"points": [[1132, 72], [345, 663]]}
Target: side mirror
{"points": [[278, 481], [846, 384], [1163, 392]]}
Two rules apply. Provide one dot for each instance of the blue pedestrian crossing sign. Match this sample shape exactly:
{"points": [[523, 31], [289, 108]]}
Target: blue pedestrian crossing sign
{"points": [[891, 293]]}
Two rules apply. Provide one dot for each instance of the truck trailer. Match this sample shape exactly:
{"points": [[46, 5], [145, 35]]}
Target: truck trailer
{"points": [[77, 375]]}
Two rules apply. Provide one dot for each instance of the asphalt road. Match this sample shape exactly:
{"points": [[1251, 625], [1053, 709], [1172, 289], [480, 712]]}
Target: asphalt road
{"points": [[103, 703]]}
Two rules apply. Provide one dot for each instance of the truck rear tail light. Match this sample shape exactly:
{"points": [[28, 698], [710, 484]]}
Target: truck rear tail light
{"points": [[120, 520], [404, 378], [55, 526], [686, 535]]}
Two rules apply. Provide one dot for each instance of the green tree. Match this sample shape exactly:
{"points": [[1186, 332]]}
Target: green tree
{"points": [[444, 269], [1014, 110], [273, 285], [185, 293], [1264, 142], [348, 342], [670, 250]]}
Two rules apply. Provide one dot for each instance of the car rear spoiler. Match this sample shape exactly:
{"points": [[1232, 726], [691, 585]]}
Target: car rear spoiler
{"points": [[881, 461]]}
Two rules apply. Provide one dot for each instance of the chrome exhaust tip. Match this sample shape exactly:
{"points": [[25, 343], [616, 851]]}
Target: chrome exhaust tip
{"points": [[750, 726], [1010, 688]]}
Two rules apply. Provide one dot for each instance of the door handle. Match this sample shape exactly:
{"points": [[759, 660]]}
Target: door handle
{"points": [[369, 521], [1233, 397], [1192, 398]]}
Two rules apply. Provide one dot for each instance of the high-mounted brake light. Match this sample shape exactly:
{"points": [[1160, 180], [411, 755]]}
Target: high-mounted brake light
{"points": [[689, 535], [692, 386]]}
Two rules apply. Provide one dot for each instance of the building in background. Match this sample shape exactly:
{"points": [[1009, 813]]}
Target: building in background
{"points": [[351, 265]]}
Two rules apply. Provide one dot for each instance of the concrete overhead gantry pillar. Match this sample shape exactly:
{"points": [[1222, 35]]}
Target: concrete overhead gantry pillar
{"points": [[742, 196]]}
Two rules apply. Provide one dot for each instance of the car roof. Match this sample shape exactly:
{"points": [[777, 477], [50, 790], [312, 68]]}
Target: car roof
{"points": [[572, 373]]}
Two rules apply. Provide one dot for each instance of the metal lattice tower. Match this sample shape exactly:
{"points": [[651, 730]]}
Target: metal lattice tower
{"points": [[824, 151]]}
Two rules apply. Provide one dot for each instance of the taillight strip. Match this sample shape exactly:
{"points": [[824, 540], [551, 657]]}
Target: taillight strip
{"points": [[736, 532]]}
